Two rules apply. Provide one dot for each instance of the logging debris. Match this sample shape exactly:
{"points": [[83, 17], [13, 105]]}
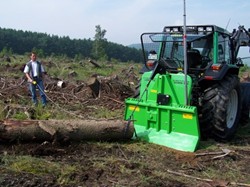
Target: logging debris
{"points": [[93, 93]]}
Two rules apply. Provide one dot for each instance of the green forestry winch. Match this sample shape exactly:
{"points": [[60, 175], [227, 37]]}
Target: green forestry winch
{"points": [[161, 113]]}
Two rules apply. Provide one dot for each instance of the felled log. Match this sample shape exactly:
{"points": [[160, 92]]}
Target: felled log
{"points": [[64, 130], [95, 64]]}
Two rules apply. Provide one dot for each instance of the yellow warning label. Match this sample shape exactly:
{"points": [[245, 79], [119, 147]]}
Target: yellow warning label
{"points": [[135, 108], [153, 91], [187, 116]]}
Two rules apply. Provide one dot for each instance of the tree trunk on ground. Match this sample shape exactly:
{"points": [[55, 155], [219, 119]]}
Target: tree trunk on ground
{"points": [[95, 64], [64, 130]]}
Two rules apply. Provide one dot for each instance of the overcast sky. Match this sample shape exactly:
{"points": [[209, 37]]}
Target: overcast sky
{"points": [[124, 20]]}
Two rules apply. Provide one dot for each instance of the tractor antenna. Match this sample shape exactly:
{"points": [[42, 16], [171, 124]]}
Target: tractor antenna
{"points": [[185, 52], [228, 23]]}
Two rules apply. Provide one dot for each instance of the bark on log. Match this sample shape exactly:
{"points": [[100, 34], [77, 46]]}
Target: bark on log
{"points": [[65, 130]]}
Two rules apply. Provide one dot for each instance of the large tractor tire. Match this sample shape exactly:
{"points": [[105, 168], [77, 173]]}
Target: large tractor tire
{"points": [[221, 106], [245, 112]]}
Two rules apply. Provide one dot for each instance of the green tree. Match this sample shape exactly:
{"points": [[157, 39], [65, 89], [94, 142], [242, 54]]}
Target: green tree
{"points": [[6, 52], [21, 42], [98, 50]]}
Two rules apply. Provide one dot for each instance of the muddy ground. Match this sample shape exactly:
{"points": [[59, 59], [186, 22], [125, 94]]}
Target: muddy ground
{"points": [[130, 163]]}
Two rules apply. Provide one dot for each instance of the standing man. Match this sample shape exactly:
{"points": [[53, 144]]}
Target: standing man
{"points": [[34, 72]]}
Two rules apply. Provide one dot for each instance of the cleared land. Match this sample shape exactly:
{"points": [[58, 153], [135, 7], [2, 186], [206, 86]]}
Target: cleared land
{"points": [[113, 163]]}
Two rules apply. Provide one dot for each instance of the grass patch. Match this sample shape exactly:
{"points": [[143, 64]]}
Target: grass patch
{"points": [[39, 167], [2, 111], [103, 112], [41, 113], [20, 116]]}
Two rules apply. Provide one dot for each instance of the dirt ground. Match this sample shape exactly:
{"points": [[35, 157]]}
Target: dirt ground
{"points": [[130, 163]]}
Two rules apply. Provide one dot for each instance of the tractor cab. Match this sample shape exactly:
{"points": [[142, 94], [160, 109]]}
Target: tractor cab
{"points": [[206, 45]]}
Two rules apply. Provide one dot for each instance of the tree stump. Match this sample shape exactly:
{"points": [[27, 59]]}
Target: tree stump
{"points": [[94, 85]]}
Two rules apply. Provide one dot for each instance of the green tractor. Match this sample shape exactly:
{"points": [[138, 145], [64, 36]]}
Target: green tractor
{"points": [[177, 102]]}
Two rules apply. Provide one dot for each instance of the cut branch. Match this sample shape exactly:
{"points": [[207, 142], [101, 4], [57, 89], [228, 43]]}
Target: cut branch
{"points": [[206, 180], [188, 176]]}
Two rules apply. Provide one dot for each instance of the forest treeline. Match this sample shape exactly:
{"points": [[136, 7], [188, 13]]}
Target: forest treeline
{"points": [[20, 42]]}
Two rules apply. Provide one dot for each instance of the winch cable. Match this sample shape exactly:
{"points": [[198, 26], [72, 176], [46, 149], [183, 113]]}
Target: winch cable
{"points": [[81, 117], [68, 112], [78, 116], [154, 72]]}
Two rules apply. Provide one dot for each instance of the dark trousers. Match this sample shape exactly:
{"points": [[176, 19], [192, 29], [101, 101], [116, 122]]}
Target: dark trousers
{"points": [[39, 85]]}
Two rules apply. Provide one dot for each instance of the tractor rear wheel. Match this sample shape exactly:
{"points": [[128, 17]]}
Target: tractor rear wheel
{"points": [[220, 112], [245, 112]]}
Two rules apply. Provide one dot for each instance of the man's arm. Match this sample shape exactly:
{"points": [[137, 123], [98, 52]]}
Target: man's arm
{"points": [[28, 77], [26, 71]]}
